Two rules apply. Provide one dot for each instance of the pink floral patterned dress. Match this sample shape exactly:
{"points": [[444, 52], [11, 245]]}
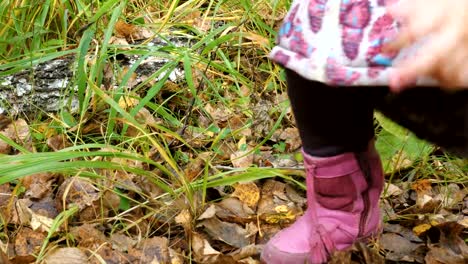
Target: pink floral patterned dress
{"points": [[338, 42]]}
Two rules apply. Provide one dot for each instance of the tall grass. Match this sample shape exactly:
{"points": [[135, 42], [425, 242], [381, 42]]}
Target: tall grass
{"points": [[34, 32], [230, 41]]}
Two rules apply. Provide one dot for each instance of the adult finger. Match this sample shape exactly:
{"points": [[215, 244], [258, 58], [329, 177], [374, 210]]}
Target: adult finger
{"points": [[422, 63]]}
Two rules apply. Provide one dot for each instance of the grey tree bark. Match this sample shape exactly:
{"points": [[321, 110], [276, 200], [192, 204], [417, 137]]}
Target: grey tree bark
{"points": [[44, 87], [50, 86]]}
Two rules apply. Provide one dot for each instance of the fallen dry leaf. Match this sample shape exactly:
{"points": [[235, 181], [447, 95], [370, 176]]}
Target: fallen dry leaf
{"points": [[88, 236], [219, 112], [66, 255], [28, 242], [58, 142], [122, 242], [402, 231], [233, 210], [17, 131], [131, 32], [40, 222], [184, 219], [105, 254], [420, 229], [243, 157], [5, 194], [231, 234], [290, 136], [76, 191], [257, 39], [399, 248], [38, 185], [451, 248], [275, 206], [176, 257], [359, 253], [391, 190], [196, 166], [208, 213], [20, 212], [246, 252], [248, 193], [154, 250], [3, 257], [204, 253]]}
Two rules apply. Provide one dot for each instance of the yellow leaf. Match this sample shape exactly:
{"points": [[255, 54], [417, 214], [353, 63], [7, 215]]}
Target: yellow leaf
{"points": [[248, 193], [418, 230], [276, 218]]}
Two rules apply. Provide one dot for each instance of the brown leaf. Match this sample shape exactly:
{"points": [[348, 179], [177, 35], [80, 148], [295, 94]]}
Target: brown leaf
{"points": [[233, 210], [122, 242], [402, 231], [109, 255], [154, 250], [28, 242], [5, 194], [67, 255], [196, 166], [202, 250], [391, 190], [267, 231], [77, 191], [257, 39], [231, 234], [20, 130], [248, 193], [290, 136], [437, 255], [40, 222], [219, 113], [58, 142], [124, 30], [39, 185], [3, 257], [17, 131], [111, 201], [20, 212], [88, 236], [399, 248], [236, 122], [184, 219], [242, 158], [209, 213], [451, 248], [176, 257], [246, 252], [359, 251], [275, 205], [4, 121], [451, 195]]}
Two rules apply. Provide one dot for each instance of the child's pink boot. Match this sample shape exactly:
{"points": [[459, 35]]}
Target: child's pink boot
{"points": [[343, 206]]}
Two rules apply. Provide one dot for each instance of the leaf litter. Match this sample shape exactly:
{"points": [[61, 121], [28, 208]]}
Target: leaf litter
{"points": [[426, 221]]}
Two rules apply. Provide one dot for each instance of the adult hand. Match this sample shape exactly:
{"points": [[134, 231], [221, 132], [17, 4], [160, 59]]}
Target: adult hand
{"points": [[442, 28]]}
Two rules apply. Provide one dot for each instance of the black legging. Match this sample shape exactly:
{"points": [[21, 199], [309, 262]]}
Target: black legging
{"points": [[334, 120]]}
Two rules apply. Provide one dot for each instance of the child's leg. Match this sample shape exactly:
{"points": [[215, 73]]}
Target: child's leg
{"points": [[343, 172], [331, 120]]}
